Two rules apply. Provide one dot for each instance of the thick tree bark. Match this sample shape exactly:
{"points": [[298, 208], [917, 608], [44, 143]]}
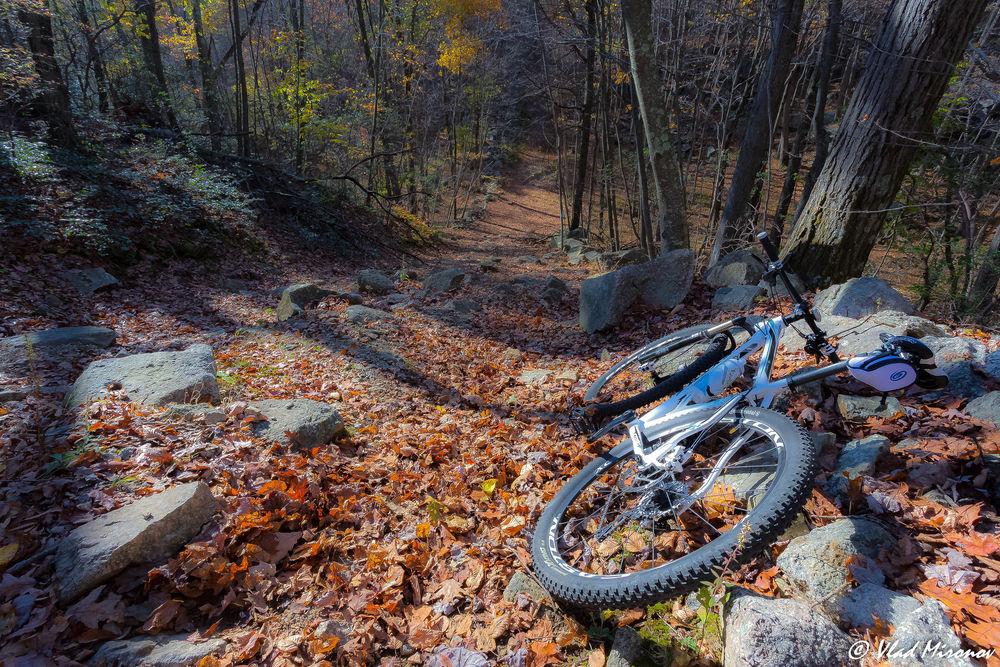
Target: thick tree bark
{"points": [[583, 155], [889, 115], [671, 219], [763, 114], [207, 81], [54, 98], [149, 37]]}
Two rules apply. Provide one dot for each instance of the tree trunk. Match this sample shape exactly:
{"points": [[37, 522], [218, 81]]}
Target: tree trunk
{"points": [[757, 137], [671, 219], [588, 111], [830, 46], [243, 98], [207, 82], [54, 99], [149, 37], [889, 114]]}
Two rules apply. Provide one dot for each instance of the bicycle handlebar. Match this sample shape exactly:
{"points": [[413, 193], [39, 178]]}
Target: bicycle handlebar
{"points": [[807, 314]]}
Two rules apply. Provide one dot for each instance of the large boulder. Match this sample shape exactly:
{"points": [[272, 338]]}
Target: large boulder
{"points": [[960, 359], [154, 378], [300, 422], [861, 296], [666, 280], [150, 529], [604, 299], [89, 281], [364, 314], [661, 283], [986, 407], [870, 602], [858, 458], [156, 651], [926, 628], [609, 261], [740, 267], [815, 564], [445, 280], [855, 336], [294, 300], [760, 631], [735, 298], [558, 239], [371, 281], [17, 352]]}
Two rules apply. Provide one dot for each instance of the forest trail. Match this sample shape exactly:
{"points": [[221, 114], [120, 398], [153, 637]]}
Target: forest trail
{"points": [[410, 535]]}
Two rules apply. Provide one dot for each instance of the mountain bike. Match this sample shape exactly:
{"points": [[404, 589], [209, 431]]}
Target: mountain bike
{"points": [[709, 474]]}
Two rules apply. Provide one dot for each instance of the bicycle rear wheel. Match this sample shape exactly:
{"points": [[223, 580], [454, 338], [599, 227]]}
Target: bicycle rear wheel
{"points": [[618, 534]]}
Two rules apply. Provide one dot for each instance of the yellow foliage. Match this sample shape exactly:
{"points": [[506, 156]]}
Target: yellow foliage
{"points": [[459, 49]]}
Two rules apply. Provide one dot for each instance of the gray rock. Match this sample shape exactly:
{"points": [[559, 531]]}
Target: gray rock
{"points": [[628, 649], [352, 298], [959, 359], [815, 563], [863, 336], [554, 283], [871, 601], [577, 258], [760, 631], [739, 267], [532, 376], [861, 296], [863, 407], [444, 280], [664, 281], [150, 529], [735, 298], [295, 299], [156, 651], [527, 259], [609, 261], [552, 296], [925, 637], [857, 458], [575, 246], [371, 281], [154, 378], [89, 281], [333, 628], [235, 285], [17, 353], [463, 308], [191, 411], [556, 241], [488, 266], [986, 407], [362, 314], [99, 337], [604, 299], [11, 395], [523, 584], [298, 421], [512, 354], [823, 439], [778, 287], [661, 283]]}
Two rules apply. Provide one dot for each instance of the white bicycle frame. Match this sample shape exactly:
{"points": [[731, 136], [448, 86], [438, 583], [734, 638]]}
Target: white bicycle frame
{"points": [[665, 425]]}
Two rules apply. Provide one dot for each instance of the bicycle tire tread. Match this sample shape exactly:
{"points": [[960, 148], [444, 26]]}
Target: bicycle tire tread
{"points": [[673, 584]]}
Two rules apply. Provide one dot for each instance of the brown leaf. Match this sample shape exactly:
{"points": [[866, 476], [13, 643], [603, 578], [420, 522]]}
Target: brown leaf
{"points": [[162, 617]]}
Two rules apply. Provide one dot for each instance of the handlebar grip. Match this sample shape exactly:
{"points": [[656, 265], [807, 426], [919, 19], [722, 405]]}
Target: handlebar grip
{"points": [[772, 252]]}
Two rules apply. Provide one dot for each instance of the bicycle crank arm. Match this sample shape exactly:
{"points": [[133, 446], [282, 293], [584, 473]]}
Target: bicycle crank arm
{"points": [[611, 425]]}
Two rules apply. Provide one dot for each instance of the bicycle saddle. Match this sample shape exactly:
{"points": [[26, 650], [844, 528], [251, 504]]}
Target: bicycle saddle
{"points": [[902, 361]]}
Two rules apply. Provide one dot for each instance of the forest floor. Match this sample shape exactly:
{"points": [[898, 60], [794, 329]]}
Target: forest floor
{"points": [[407, 533]]}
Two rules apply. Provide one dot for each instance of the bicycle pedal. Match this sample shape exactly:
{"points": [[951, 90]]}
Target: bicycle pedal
{"points": [[581, 423], [611, 425]]}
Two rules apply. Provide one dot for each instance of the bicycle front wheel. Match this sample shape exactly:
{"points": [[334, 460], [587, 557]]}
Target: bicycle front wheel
{"points": [[621, 534]]}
